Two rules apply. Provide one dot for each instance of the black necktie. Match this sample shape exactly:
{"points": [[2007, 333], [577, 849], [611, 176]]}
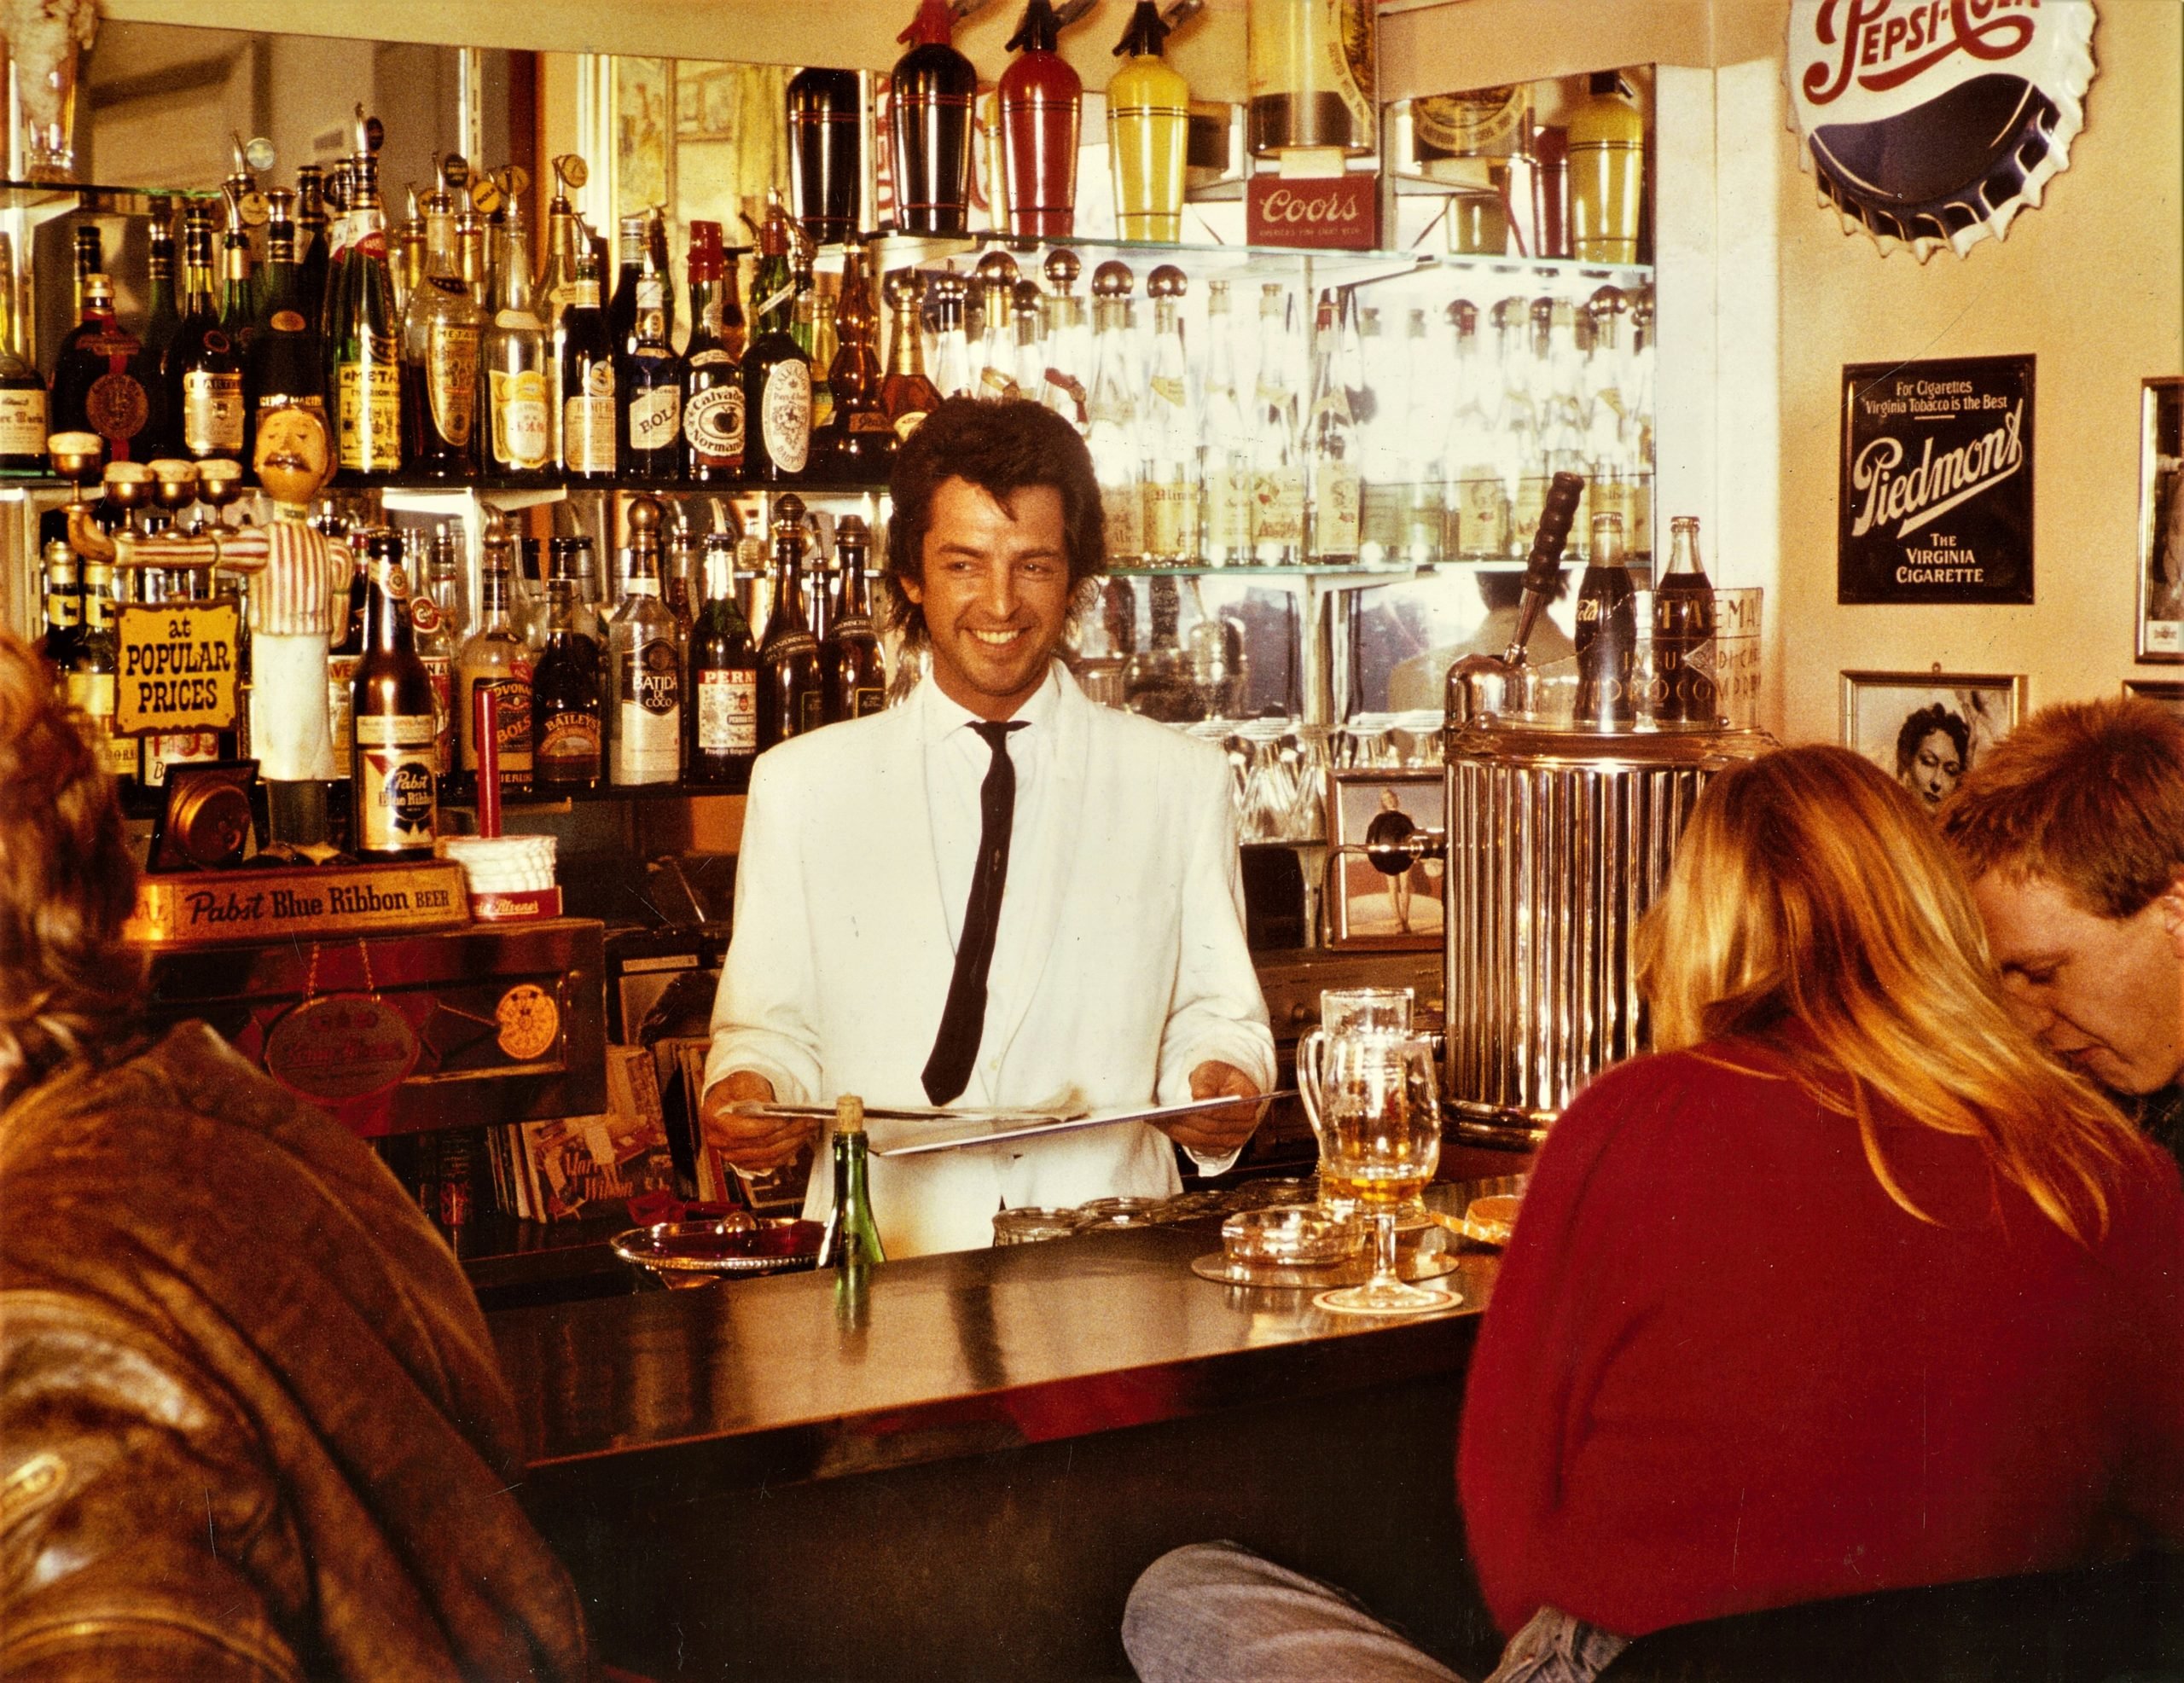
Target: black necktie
{"points": [[955, 1047]]}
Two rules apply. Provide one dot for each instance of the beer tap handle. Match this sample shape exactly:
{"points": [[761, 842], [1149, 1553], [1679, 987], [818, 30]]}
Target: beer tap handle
{"points": [[1545, 563]]}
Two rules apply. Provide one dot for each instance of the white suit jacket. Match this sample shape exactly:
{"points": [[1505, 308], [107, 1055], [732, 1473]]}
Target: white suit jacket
{"points": [[840, 961]]}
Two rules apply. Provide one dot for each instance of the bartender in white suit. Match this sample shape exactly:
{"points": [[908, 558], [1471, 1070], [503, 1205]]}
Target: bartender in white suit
{"points": [[996, 893]]}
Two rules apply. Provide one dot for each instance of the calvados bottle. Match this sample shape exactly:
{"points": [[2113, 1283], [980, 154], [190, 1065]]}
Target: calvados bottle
{"points": [[1113, 438], [777, 373], [284, 367], [494, 658], [1040, 106], [649, 440], [644, 667], [204, 374], [1331, 442], [1312, 69], [723, 717], [1607, 172], [1226, 499], [1607, 633], [587, 397], [931, 95], [22, 393], [1149, 131], [850, 1238], [517, 439], [906, 393], [392, 721], [826, 151], [1171, 430], [712, 378], [853, 678], [1685, 690], [439, 354], [860, 438], [364, 339], [792, 698]]}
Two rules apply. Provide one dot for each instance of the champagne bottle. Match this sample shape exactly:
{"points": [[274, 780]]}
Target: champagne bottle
{"points": [[1686, 691], [494, 657], [645, 745], [851, 1239], [792, 697], [929, 126], [910, 397], [564, 704], [587, 395], [1149, 131], [517, 441], [1607, 633], [22, 393], [777, 373], [826, 148], [855, 677], [204, 374], [713, 379], [723, 713], [440, 353], [392, 722], [1039, 106], [365, 341]]}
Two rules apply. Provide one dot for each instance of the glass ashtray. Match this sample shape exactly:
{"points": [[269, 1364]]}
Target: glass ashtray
{"points": [[1292, 1235], [1032, 1224], [1103, 1213]]}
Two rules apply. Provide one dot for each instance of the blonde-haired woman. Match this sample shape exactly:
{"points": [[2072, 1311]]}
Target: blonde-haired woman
{"points": [[1852, 1287]]}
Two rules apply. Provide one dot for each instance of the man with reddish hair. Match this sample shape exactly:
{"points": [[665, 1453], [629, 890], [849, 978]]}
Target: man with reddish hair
{"points": [[2072, 832]]}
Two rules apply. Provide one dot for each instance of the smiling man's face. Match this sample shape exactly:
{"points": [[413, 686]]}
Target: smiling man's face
{"points": [[995, 589], [2105, 994]]}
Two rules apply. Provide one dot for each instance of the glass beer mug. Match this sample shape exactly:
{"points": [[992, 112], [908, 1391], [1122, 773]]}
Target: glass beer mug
{"points": [[1345, 1013]]}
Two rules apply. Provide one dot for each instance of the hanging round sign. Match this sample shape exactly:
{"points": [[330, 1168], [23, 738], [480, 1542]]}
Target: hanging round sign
{"points": [[339, 1046], [1931, 123]]}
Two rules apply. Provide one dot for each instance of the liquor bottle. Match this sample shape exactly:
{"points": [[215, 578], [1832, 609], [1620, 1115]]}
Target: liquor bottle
{"points": [[712, 380], [1040, 106], [204, 374], [1030, 366], [929, 126], [1157, 679], [734, 334], [439, 354], [656, 264], [90, 260], [495, 657], [365, 340], [572, 558], [1413, 432], [1382, 493], [340, 176], [860, 440], [1278, 469], [951, 345], [1638, 438], [64, 607], [436, 633], [644, 668], [239, 286], [629, 247], [1607, 633], [1478, 515], [1686, 691], [1224, 535], [648, 439], [1561, 415], [1609, 430], [776, 375], [1171, 430], [908, 395], [1607, 172], [811, 325], [311, 251], [22, 393], [1331, 442], [392, 722], [1113, 438], [682, 577], [1312, 70], [102, 381], [851, 1239], [854, 675], [1068, 379], [406, 248], [792, 697], [564, 706], [1515, 430], [93, 672], [1149, 131], [826, 151], [587, 397], [284, 367], [996, 277], [516, 442], [557, 285], [162, 319], [722, 723]]}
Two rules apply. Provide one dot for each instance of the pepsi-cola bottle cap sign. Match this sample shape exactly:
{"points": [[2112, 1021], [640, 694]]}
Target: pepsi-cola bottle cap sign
{"points": [[1931, 123]]}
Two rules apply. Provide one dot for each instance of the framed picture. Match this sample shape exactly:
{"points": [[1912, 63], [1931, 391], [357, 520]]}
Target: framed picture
{"points": [[2161, 521], [1364, 906], [1926, 729], [2169, 695]]}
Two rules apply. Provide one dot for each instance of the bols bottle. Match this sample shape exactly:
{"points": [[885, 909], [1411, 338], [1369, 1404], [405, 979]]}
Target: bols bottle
{"points": [[644, 667], [392, 722], [1607, 633], [649, 441]]}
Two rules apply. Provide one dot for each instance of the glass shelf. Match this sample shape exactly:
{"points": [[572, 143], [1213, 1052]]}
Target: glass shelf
{"points": [[606, 794]]}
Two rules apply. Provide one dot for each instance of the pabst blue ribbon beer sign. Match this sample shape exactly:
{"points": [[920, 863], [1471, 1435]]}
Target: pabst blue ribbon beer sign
{"points": [[1326, 213], [1932, 122]]}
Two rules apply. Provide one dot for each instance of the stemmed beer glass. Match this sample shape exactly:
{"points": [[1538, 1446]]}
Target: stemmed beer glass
{"points": [[1380, 1143]]}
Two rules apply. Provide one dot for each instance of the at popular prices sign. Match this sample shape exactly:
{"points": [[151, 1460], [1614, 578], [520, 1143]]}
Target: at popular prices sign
{"points": [[178, 666]]}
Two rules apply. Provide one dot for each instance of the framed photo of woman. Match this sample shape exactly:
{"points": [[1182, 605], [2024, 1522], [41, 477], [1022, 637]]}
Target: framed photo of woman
{"points": [[1373, 811], [1926, 729]]}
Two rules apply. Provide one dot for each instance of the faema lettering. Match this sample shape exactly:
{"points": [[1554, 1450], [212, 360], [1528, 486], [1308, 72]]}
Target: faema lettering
{"points": [[1937, 483]]}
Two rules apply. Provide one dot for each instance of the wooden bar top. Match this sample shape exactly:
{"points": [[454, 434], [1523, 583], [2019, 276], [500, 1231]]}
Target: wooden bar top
{"points": [[791, 1377]]}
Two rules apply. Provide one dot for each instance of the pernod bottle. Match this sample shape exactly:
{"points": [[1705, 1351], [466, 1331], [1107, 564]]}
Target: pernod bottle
{"points": [[364, 338], [1683, 633], [644, 667], [723, 721], [392, 722], [1607, 632]]}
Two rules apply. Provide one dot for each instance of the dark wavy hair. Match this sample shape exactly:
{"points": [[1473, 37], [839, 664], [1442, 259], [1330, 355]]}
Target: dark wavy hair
{"points": [[1002, 447], [68, 983], [1923, 723]]}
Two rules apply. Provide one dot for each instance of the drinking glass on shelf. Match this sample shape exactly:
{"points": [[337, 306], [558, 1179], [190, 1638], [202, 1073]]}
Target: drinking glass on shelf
{"points": [[1380, 1143]]}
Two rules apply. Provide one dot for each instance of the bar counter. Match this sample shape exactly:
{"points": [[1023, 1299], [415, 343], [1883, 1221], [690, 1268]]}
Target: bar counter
{"points": [[959, 1474]]}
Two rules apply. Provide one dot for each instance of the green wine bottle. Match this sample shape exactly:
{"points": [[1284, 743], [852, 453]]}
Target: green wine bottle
{"points": [[851, 1240]]}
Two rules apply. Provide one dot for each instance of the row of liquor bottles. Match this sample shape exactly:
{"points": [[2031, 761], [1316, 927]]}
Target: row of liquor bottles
{"points": [[653, 689]]}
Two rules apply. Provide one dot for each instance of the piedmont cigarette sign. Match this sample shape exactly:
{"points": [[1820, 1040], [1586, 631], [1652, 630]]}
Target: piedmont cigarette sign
{"points": [[1936, 490], [178, 667]]}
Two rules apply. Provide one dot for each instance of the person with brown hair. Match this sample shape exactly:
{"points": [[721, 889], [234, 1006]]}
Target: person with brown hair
{"points": [[1850, 1287], [2072, 830], [251, 1419]]}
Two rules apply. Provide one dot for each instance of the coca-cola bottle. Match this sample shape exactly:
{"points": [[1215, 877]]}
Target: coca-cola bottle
{"points": [[1685, 691], [1607, 632], [1041, 102], [929, 126], [826, 151]]}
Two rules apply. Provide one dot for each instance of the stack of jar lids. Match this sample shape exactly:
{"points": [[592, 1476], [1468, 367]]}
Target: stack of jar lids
{"points": [[507, 876]]}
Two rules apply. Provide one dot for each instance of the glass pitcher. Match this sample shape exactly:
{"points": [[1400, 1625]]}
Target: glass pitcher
{"points": [[1345, 1013]]}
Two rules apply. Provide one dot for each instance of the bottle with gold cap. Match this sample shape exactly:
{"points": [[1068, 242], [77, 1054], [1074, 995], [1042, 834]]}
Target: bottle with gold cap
{"points": [[852, 1238]]}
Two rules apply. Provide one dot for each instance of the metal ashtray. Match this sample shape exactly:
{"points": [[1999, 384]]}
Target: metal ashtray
{"points": [[1289, 1236], [685, 1253]]}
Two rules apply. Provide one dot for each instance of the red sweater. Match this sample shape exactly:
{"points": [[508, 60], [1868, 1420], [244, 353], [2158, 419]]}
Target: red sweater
{"points": [[1722, 1371]]}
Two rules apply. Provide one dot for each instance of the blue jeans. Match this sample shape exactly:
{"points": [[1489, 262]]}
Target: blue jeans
{"points": [[1215, 1613]]}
